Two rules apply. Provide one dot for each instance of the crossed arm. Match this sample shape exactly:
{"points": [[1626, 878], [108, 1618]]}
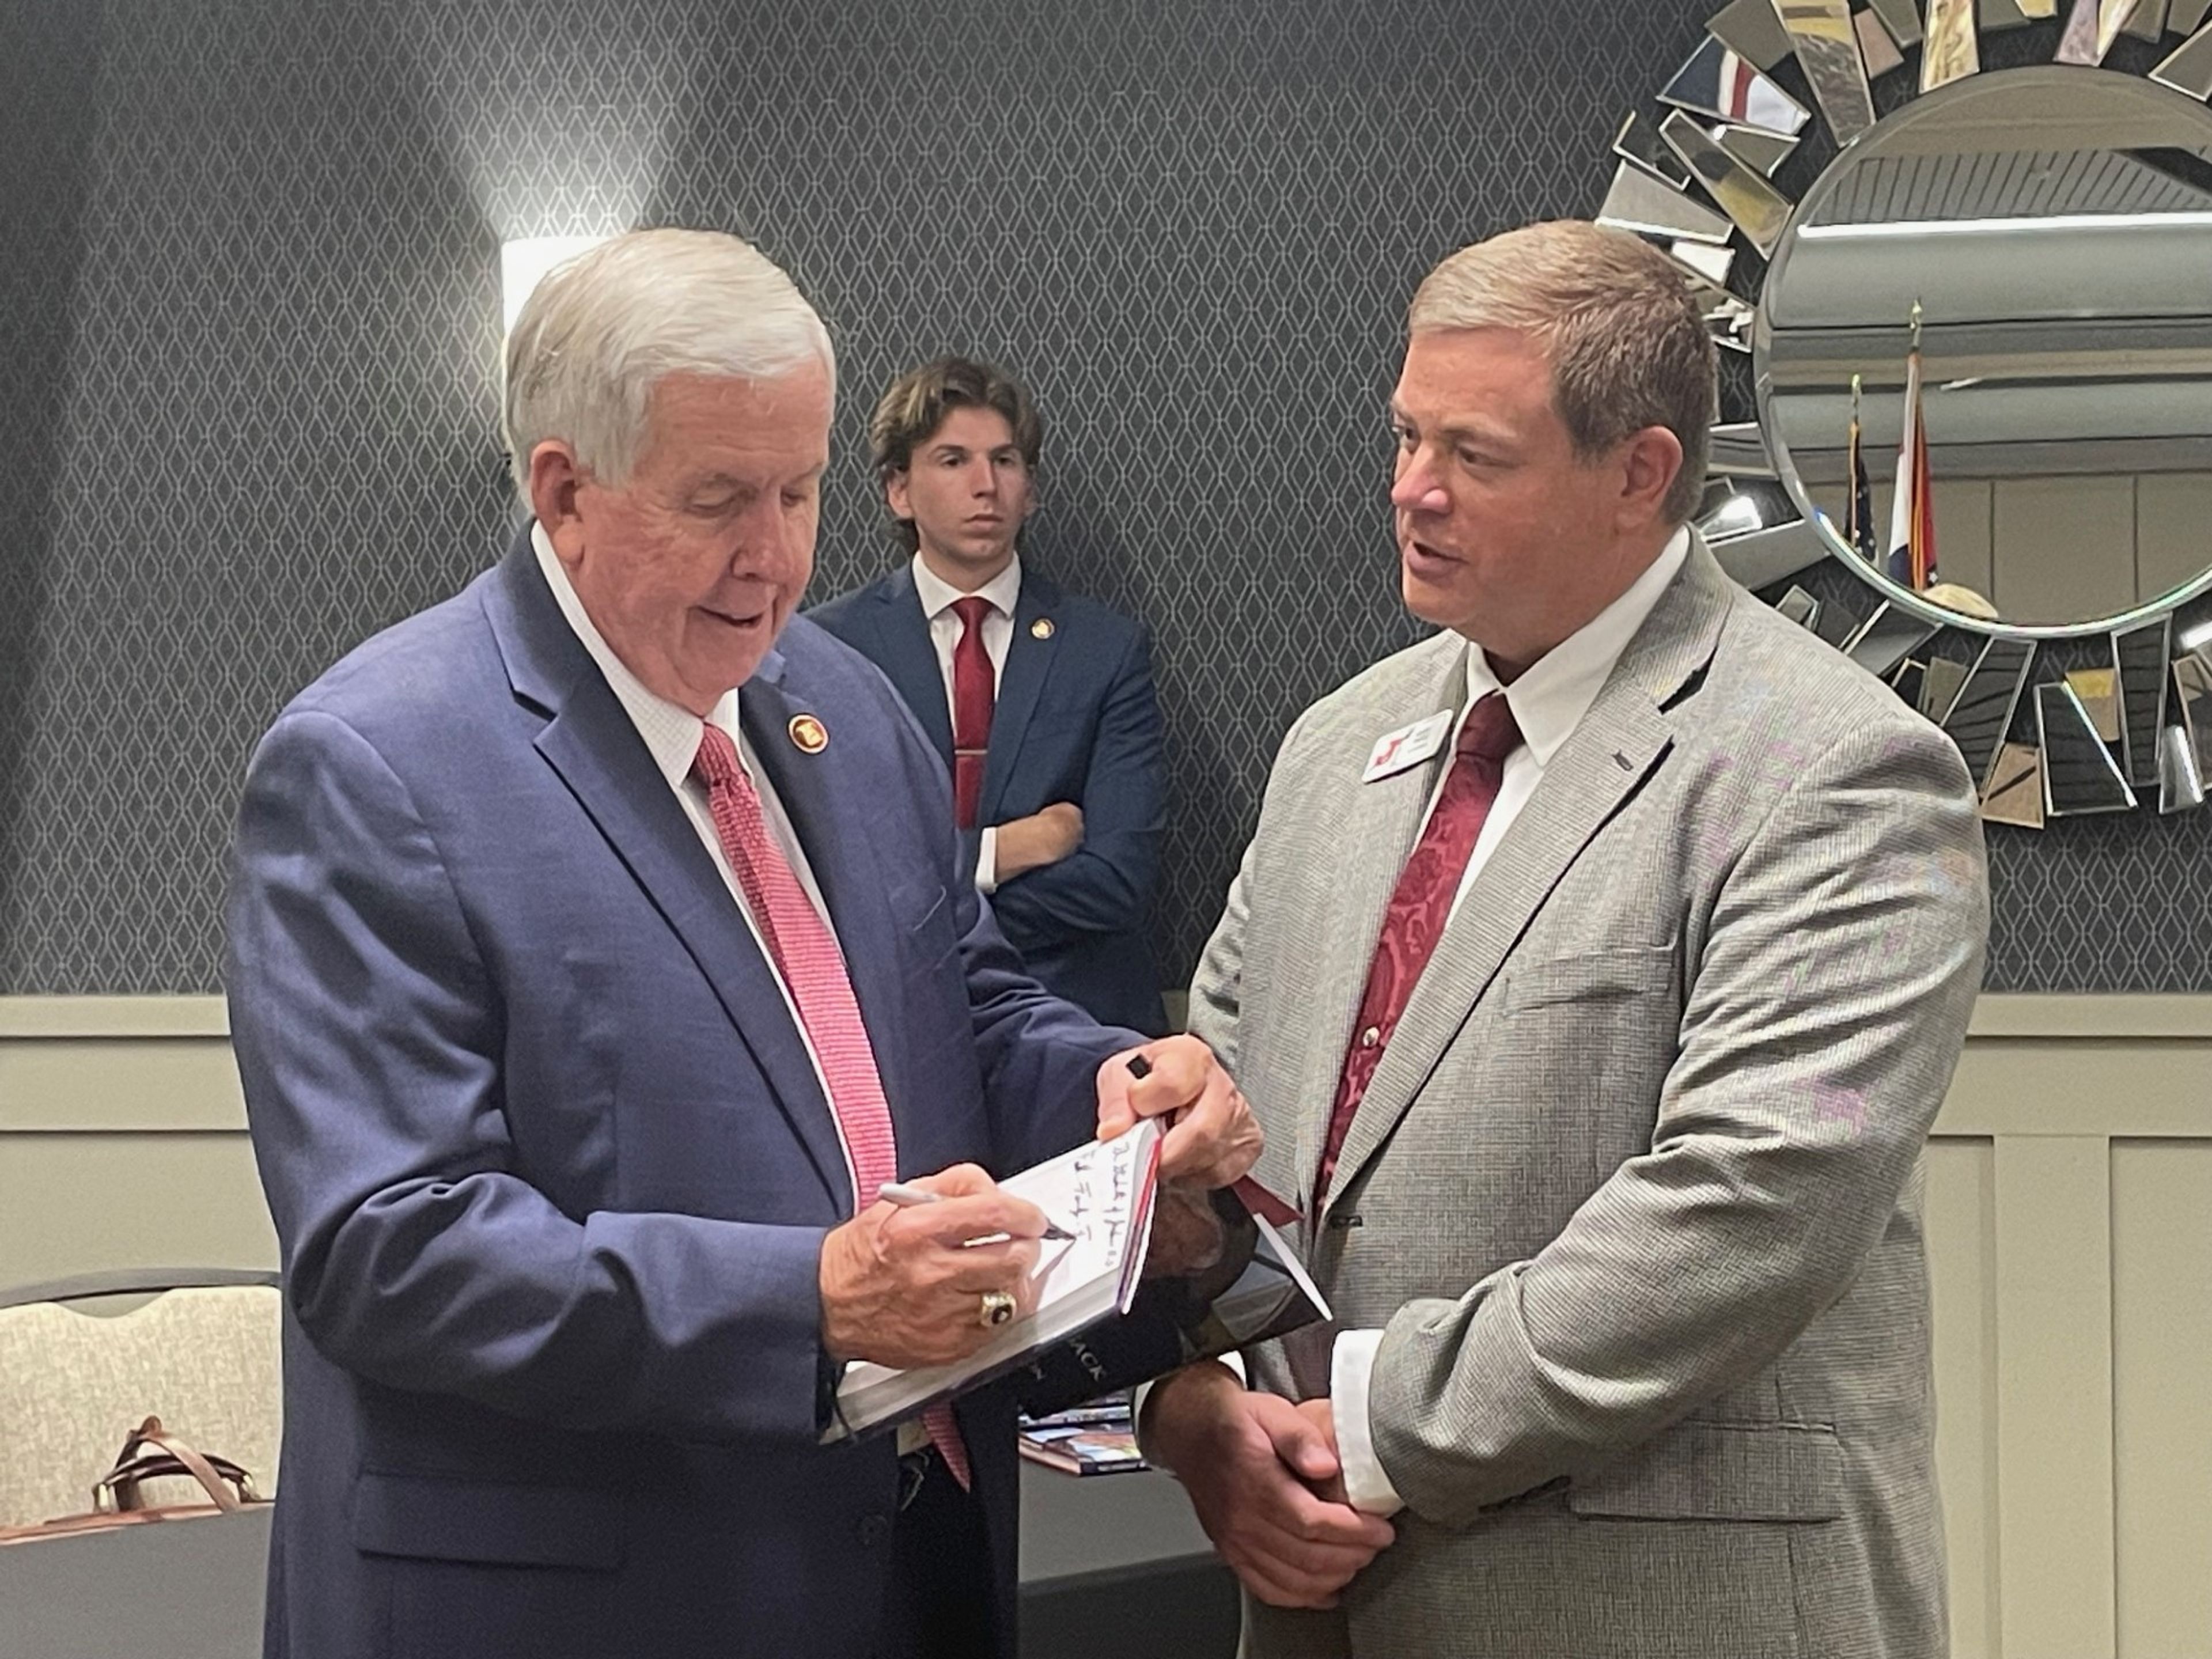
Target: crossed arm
{"points": [[1096, 859]]}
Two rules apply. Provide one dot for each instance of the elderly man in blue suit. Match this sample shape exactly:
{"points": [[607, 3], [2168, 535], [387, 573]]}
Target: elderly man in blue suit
{"points": [[1040, 702], [600, 943]]}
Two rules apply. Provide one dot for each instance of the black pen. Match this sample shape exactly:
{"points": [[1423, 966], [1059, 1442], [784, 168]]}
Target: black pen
{"points": [[907, 1198]]}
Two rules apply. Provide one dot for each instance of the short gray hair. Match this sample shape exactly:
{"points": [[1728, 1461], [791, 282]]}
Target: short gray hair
{"points": [[1626, 343], [603, 329]]}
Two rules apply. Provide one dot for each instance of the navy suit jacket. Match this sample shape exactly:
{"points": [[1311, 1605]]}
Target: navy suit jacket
{"points": [[1076, 721], [549, 1162]]}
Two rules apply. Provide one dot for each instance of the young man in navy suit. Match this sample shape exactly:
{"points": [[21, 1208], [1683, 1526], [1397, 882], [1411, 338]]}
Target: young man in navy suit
{"points": [[600, 943], [1040, 703]]}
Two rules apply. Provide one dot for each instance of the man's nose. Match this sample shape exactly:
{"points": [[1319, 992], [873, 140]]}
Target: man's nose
{"points": [[983, 477], [1415, 489], [766, 542]]}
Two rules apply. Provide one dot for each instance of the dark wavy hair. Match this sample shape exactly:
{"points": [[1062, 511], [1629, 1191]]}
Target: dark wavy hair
{"points": [[920, 399]]}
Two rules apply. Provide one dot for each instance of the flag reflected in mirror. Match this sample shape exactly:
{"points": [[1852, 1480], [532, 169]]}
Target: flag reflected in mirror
{"points": [[1858, 507], [1912, 513]]}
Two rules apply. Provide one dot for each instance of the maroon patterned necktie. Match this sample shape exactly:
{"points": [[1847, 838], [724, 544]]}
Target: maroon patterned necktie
{"points": [[974, 687], [1419, 906], [812, 968]]}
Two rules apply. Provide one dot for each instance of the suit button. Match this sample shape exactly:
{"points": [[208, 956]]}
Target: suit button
{"points": [[874, 1529], [1371, 1036]]}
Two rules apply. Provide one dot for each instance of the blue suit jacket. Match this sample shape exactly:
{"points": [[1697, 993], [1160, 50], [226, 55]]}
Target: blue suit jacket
{"points": [[1076, 721], [549, 1162]]}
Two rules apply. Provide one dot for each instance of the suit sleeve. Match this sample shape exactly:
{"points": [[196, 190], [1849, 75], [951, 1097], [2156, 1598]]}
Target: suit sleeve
{"points": [[1040, 1055], [1217, 988], [1216, 1001], [1105, 886], [1216, 1013], [1821, 1026], [368, 1029]]}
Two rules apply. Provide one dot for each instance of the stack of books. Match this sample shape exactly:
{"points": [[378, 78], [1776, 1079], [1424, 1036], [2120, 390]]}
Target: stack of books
{"points": [[1094, 1439]]}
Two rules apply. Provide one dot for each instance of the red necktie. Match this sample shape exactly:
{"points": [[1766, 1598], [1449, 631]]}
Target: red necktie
{"points": [[974, 687], [805, 954], [1420, 905]]}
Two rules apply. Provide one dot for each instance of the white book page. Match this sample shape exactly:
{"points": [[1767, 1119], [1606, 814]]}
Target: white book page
{"points": [[1092, 1192]]}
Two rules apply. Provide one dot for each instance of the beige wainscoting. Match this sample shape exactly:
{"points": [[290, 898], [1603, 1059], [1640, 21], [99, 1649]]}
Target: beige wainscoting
{"points": [[123, 1139], [2070, 1204], [2070, 1209]]}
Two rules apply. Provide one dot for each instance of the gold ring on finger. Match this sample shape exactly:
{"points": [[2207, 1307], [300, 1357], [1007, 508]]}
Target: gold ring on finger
{"points": [[998, 1308]]}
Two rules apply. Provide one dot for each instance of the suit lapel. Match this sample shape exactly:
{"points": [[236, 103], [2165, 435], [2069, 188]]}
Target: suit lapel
{"points": [[596, 750], [910, 660], [1619, 744], [1029, 661], [1382, 822]]}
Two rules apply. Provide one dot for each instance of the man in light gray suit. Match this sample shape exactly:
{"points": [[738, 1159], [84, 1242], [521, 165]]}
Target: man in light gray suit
{"points": [[1597, 969]]}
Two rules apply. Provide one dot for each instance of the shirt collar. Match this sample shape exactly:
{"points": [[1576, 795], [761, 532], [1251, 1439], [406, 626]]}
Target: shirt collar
{"points": [[670, 732], [1550, 699], [937, 595]]}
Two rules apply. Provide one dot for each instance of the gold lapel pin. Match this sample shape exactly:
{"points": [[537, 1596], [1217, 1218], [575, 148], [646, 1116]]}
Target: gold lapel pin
{"points": [[1041, 629], [809, 734]]}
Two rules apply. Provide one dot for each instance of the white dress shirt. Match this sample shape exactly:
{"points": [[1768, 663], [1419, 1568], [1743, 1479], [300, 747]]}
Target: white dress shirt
{"points": [[1549, 702], [938, 596], [671, 734]]}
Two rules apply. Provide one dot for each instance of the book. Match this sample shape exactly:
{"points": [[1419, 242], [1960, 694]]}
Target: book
{"points": [[1102, 1192], [1107, 1408], [1220, 1277], [1107, 1447]]}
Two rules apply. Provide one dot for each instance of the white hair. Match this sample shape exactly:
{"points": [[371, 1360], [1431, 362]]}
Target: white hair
{"points": [[603, 329]]}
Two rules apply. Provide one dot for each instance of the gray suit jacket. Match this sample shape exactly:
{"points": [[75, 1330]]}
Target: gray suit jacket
{"points": [[1635, 1192]]}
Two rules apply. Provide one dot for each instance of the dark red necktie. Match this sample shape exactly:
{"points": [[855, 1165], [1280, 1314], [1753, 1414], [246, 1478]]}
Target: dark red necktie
{"points": [[805, 954], [1420, 905], [974, 687]]}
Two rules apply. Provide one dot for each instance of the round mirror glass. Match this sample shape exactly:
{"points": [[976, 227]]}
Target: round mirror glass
{"points": [[2052, 228]]}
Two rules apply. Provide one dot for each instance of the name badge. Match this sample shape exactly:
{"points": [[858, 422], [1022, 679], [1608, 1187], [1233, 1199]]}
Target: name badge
{"points": [[1409, 745]]}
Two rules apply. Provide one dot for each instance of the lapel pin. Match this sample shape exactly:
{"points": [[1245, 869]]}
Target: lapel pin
{"points": [[1041, 629], [808, 734]]}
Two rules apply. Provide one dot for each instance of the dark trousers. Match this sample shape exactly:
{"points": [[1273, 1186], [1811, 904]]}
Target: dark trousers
{"points": [[938, 1603]]}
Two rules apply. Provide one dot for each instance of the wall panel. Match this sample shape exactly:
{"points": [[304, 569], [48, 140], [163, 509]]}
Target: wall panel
{"points": [[2162, 1395], [1962, 1270]]}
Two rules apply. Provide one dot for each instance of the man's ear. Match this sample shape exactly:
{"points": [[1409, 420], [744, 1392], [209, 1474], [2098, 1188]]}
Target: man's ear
{"points": [[895, 494], [556, 476], [1650, 461]]}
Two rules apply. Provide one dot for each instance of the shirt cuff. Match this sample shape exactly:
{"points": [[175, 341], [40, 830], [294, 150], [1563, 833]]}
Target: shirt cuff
{"points": [[987, 861], [1352, 1364]]}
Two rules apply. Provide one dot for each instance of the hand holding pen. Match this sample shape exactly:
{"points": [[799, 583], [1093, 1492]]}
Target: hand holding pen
{"points": [[927, 1284], [907, 1198]]}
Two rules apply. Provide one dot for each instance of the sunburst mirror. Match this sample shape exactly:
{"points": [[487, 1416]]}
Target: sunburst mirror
{"points": [[1967, 260]]}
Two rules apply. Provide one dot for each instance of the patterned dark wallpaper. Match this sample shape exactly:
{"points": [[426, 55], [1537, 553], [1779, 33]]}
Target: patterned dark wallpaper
{"points": [[250, 312]]}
